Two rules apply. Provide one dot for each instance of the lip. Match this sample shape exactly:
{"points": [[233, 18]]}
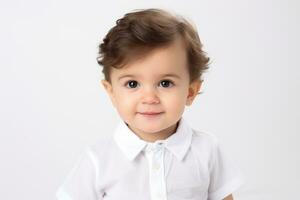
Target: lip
{"points": [[150, 115]]}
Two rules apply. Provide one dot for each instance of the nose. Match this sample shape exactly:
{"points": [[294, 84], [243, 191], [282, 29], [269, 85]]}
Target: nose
{"points": [[150, 96]]}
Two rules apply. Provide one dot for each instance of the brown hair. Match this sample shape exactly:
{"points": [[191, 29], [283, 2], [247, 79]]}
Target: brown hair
{"points": [[142, 31]]}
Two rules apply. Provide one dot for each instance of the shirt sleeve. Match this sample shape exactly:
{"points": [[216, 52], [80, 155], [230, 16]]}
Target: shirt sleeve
{"points": [[225, 177], [80, 183]]}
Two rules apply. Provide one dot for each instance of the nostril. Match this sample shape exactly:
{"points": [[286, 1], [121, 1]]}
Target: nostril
{"points": [[151, 99]]}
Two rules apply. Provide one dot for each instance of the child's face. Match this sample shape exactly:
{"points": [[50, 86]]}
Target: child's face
{"points": [[150, 94]]}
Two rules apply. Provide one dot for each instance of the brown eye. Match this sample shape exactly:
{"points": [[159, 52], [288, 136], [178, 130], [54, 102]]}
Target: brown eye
{"points": [[131, 84], [166, 83]]}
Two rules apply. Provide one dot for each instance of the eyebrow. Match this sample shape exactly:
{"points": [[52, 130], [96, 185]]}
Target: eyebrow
{"points": [[164, 75]]}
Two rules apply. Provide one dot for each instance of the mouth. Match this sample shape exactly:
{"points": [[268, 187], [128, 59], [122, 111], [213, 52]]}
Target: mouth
{"points": [[150, 114]]}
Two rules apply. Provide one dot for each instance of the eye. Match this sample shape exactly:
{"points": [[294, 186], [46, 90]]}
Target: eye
{"points": [[166, 83], [131, 84]]}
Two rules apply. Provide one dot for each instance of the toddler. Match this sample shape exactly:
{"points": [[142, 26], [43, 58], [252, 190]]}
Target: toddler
{"points": [[152, 63]]}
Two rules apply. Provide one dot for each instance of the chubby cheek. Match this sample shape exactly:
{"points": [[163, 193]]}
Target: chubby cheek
{"points": [[175, 104], [125, 106]]}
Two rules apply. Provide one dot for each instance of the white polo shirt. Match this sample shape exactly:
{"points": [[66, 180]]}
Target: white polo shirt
{"points": [[187, 165]]}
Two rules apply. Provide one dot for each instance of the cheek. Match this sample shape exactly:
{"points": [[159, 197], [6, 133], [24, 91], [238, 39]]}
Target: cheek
{"points": [[124, 108], [175, 101], [125, 103]]}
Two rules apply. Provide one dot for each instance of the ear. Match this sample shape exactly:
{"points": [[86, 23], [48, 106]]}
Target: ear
{"points": [[109, 89], [194, 89]]}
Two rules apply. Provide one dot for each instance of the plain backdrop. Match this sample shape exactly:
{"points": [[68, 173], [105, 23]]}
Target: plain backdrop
{"points": [[52, 104]]}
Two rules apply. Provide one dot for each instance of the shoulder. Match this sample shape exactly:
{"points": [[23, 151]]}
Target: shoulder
{"points": [[102, 146], [203, 145], [200, 138]]}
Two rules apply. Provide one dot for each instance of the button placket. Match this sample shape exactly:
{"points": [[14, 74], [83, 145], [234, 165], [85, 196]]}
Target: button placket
{"points": [[157, 179]]}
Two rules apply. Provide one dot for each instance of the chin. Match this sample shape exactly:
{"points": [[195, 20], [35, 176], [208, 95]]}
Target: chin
{"points": [[151, 129]]}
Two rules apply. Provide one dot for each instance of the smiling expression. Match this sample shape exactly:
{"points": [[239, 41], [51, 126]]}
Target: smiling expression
{"points": [[150, 94]]}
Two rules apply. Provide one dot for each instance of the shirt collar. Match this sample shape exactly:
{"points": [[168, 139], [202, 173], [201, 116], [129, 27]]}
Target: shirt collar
{"points": [[131, 145]]}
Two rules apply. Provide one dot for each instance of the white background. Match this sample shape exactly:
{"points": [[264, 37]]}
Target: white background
{"points": [[53, 106]]}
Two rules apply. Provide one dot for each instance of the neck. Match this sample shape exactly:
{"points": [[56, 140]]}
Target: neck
{"points": [[152, 137]]}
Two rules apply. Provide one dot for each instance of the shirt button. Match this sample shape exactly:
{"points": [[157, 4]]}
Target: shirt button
{"points": [[155, 167]]}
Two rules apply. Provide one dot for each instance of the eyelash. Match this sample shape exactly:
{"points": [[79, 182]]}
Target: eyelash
{"points": [[171, 83]]}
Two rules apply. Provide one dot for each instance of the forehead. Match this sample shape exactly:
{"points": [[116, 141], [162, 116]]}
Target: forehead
{"points": [[171, 59]]}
